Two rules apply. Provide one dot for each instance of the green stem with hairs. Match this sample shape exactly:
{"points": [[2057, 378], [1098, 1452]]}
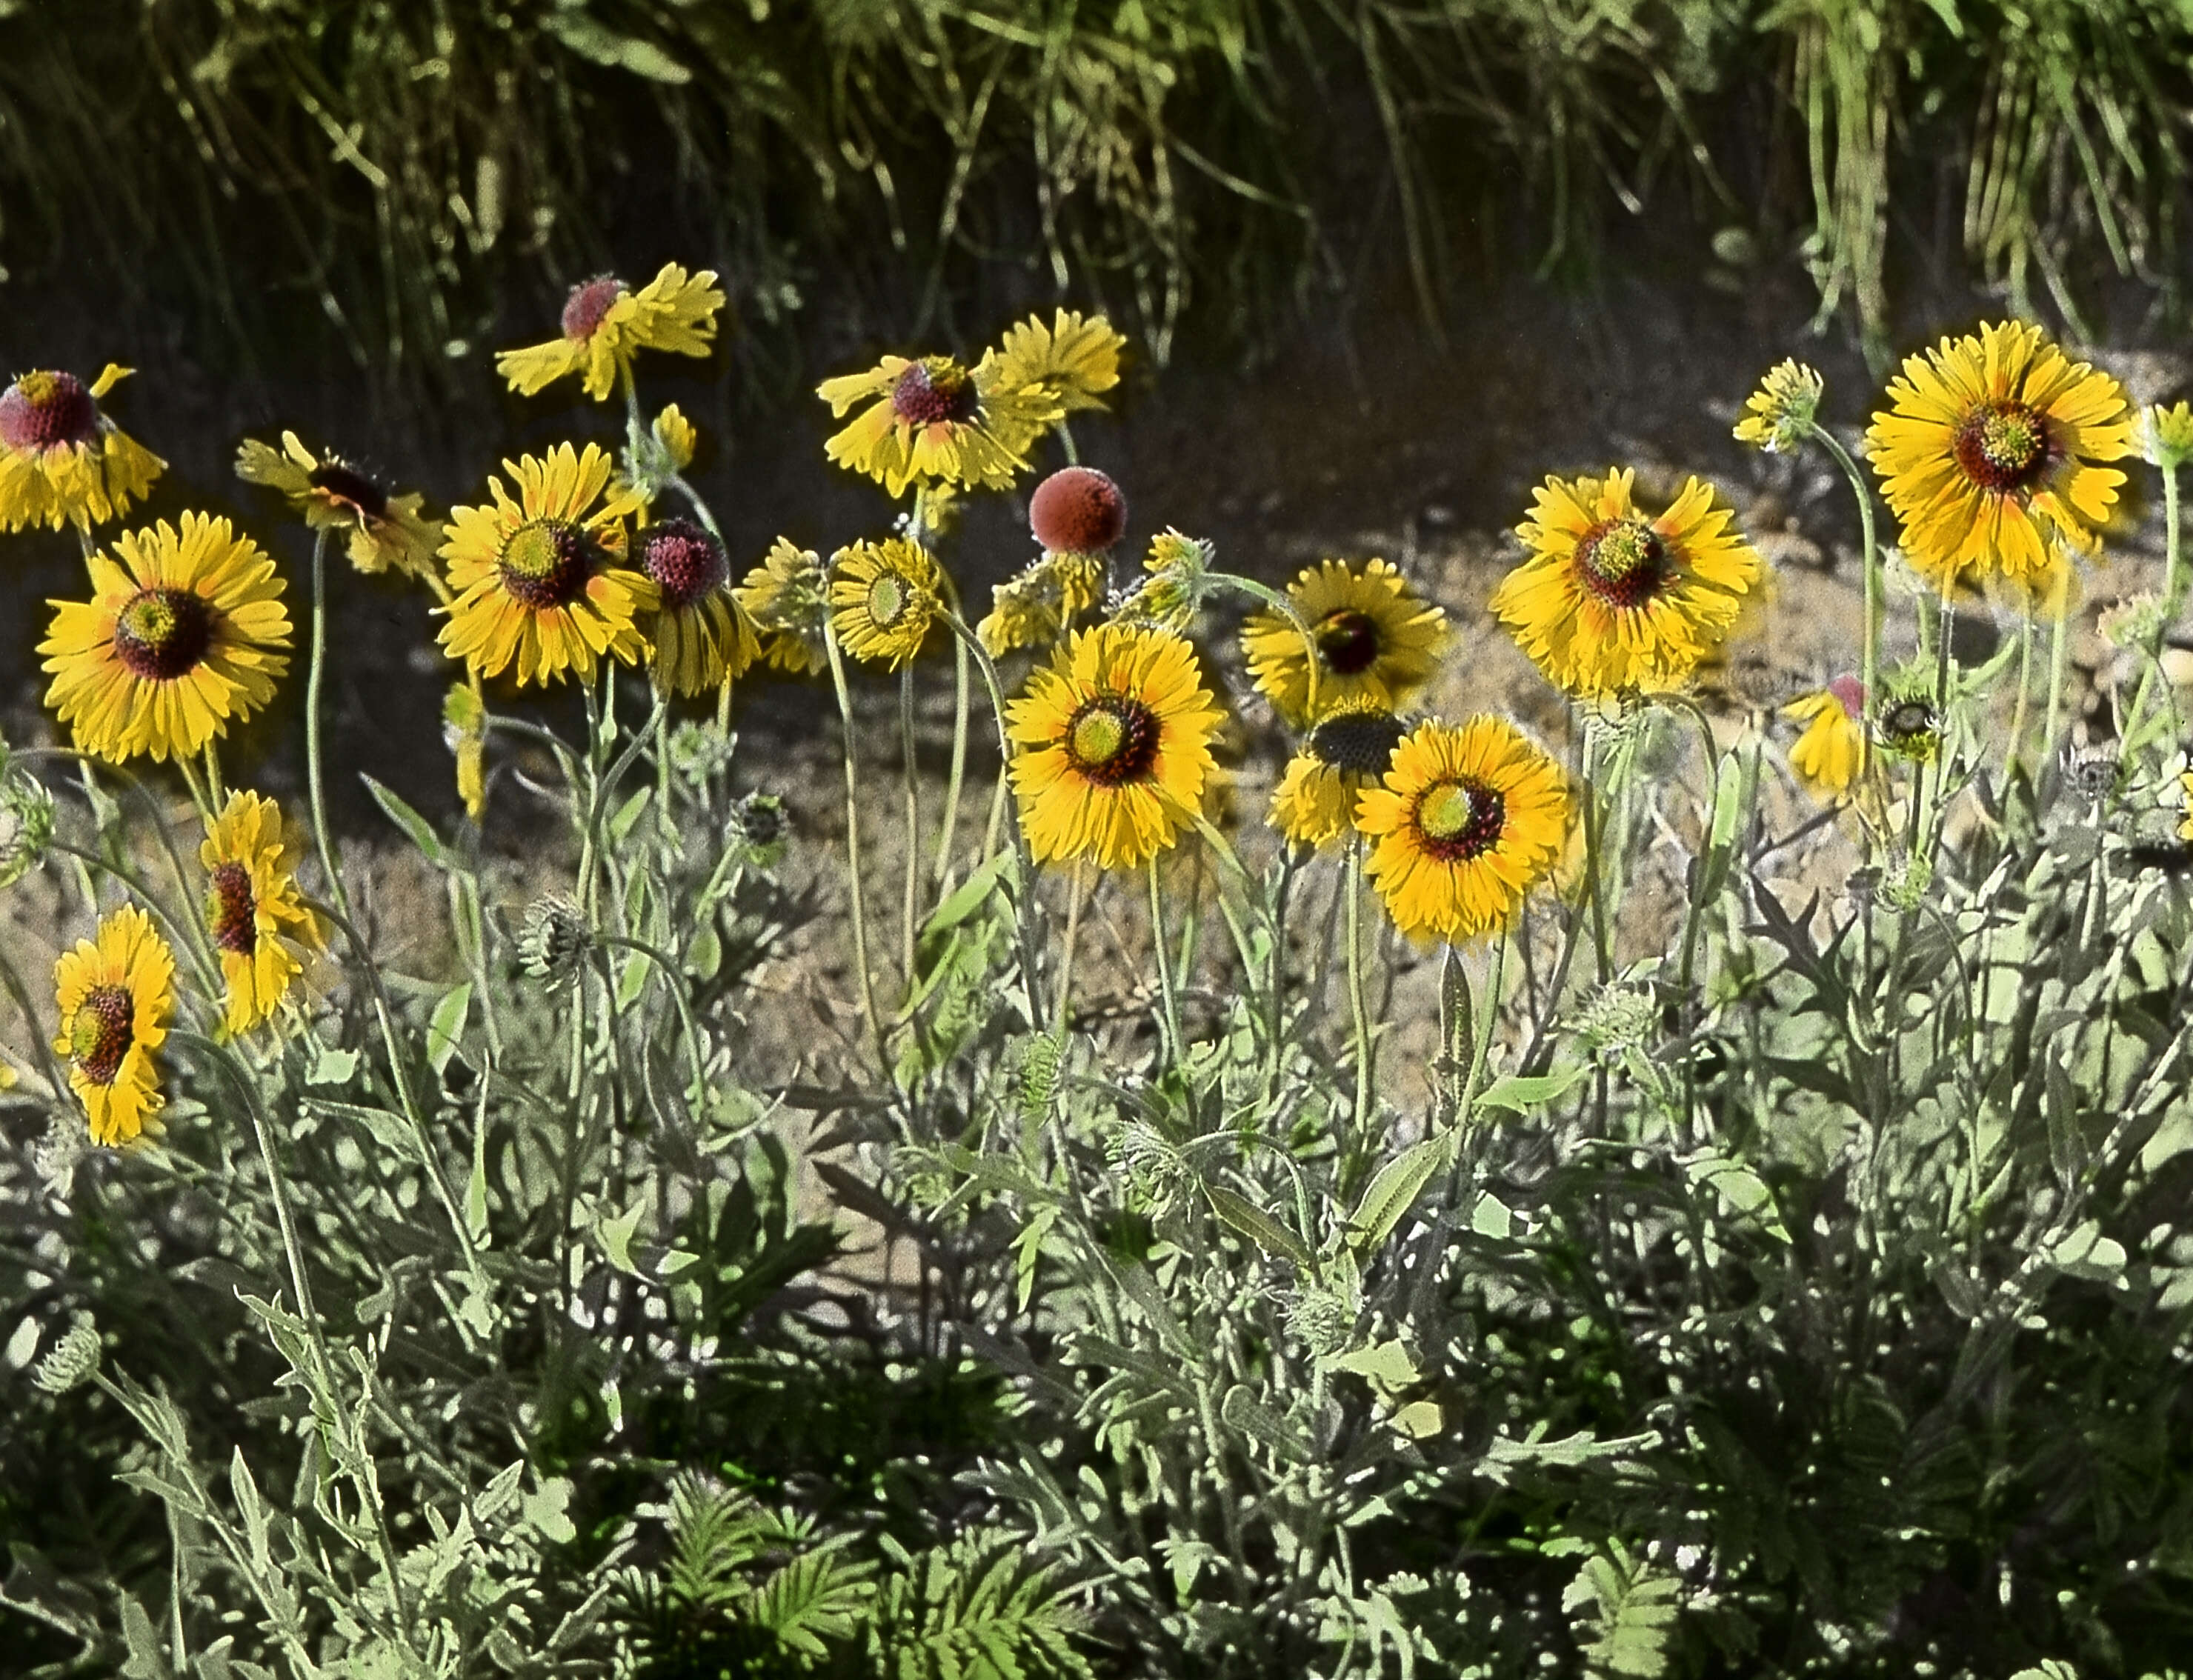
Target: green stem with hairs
{"points": [[314, 778], [1359, 1009], [1176, 1050], [912, 825], [1869, 665], [2059, 660], [1023, 856], [853, 842], [962, 695], [2017, 745], [2174, 601]]}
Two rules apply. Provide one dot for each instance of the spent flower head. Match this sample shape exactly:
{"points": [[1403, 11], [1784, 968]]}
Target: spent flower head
{"points": [[26, 824], [74, 1360], [555, 939], [764, 825], [2133, 623], [1178, 578], [1778, 416], [2166, 435], [1904, 881], [1617, 1020], [2091, 772]]}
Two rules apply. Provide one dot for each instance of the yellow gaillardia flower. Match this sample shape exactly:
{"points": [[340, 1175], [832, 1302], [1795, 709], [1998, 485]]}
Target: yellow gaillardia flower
{"points": [[787, 598], [1113, 747], [117, 995], [1826, 755], [534, 578], [1987, 450], [934, 420], [1377, 641], [1068, 362], [1466, 822], [185, 631], [386, 533], [702, 636], [884, 599], [256, 917], [1315, 803], [1778, 416], [1033, 608], [1611, 600], [61, 460], [606, 324]]}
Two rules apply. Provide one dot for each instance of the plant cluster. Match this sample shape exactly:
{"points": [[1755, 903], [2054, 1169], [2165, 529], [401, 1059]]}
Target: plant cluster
{"points": [[1774, 1266]]}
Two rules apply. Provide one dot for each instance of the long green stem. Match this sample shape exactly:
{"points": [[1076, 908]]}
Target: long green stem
{"points": [[2060, 659], [315, 780], [2173, 602], [1025, 919], [1594, 837], [1870, 666], [1176, 1049], [2017, 746], [853, 843], [912, 768], [1080, 892], [1358, 1009], [948, 827]]}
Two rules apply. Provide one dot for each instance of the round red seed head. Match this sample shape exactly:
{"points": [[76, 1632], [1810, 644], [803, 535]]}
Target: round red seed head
{"points": [[1078, 511]]}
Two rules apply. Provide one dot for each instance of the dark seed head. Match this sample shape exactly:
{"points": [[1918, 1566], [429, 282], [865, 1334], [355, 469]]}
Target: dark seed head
{"points": [[686, 562], [1623, 561], [546, 563], [44, 409], [2003, 445], [100, 1035], [1458, 820], [232, 911], [1348, 641], [933, 391], [1359, 742], [162, 634], [350, 487], [589, 302], [1112, 740], [1078, 511]]}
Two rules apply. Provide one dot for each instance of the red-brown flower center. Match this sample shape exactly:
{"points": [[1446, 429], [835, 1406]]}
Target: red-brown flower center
{"points": [[588, 304], [100, 1035], [686, 562], [1077, 510], [1623, 561], [161, 634], [231, 910], [1112, 740], [935, 391], [44, 410], [1458, 819], [2003, 445], [352, 489], [546, 563], [1348, 641]]}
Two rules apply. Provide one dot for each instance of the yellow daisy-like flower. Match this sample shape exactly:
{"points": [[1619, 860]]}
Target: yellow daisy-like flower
{"points": [[702, 636], [184, 632], [1611, 600], [1987, 453], [256, 917], [787, 598], [1033, 608], [534, 578], [117, 995], [1778, 416], [386, 533], [1067, 362], [1466, 822], [884, 599], [1377, 641], [1826, 756], [606, 324], [61, 460], [933, 421], [1113, 747], [1315, 803]]}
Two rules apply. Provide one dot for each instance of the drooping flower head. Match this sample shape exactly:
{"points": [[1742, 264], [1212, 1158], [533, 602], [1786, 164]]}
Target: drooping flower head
{"points": [[702, 636], [185, 631], [538, 580], [1826, 756], [606, 324], [1034, 607], [1064, 365], [787, 598], [1613, 599], [1113, 747], [116, 994], [385, 531], [1078, 511], [1986, 453], [1351, 750], [883, 599], [61, 460], [1467, 819], [1176, 577], [1377, 641], [1778, 416], [935, 421], [664, 450], [257, 919]]}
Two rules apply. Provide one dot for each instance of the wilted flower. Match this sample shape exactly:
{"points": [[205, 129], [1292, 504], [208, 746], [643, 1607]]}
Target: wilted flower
{"points": [[27, 825], [1178, 576], [555, 939], [386, 531], [699, 750], [787, 598], [74, 1359], [1321, 1318], [1155, 1171], [606, 324], [2132, 624], [1826, 756], [2090, 772], [1617, 1020], [1779, 415], [2168, 434]]}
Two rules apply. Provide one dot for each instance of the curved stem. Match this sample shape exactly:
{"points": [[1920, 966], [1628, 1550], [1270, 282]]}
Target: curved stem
{"points": [[313, 777], [962, 690], [853, 843], [673, 982], [911, 768], [1871, 659], [1359, 1009], [1023, 856]]}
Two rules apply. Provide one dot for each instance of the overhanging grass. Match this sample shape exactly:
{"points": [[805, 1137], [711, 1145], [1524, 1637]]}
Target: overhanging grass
{"points": [[400, 162]]}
